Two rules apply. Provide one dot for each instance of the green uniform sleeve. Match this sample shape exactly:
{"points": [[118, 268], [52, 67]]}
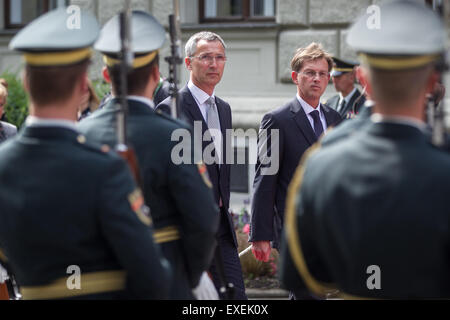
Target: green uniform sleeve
{"points": [[190, 187], [127, 230]]}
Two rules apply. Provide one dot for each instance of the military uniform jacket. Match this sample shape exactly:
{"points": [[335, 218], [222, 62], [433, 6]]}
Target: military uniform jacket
{"points": [[383, 205], [295, 137], [66, 203], [181, 204], [352, 108], [348, 128]]}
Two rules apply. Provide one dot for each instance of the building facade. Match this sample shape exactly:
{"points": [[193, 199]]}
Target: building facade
{"points": [[261, 38]]}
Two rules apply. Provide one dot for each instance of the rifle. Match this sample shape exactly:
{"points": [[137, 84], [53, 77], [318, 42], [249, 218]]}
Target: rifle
{"points": [[435, 104], [435, 108], [123, 148], [175, 58], [4, 294], [9, 289]]}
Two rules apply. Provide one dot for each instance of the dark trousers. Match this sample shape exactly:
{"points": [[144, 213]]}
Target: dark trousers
{"points": [[230, 262]]}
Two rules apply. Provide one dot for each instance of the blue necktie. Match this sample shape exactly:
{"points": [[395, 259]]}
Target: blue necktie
{"points": [[318, 128]]}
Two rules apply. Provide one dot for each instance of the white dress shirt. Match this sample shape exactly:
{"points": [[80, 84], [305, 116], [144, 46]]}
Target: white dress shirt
{"points": [[308, 109], [200, 97]]}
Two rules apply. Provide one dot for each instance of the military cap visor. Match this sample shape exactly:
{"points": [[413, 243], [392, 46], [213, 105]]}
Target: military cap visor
{"points": [[407, 35], [147, 37], [342, 66], [51, 39]]}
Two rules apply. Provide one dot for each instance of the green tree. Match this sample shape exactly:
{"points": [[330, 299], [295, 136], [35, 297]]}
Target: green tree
{"points": [[16, 109]]}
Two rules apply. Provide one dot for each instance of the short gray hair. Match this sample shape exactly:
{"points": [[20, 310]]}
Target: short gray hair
{"points": [[191, 45]]}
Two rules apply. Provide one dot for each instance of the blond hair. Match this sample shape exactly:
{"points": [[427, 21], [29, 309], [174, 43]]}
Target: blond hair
{"points": [[3, 92], [312, 52]]}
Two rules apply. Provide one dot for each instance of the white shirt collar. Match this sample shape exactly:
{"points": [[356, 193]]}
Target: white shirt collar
{"points": [[377, 117], [33, 121], [199, 95], [306, 106]]}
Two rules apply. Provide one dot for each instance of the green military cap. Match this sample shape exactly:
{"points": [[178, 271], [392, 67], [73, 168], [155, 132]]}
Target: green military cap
{"points": [[147, 37], [402, 34], [57, 38], [342, 66]]}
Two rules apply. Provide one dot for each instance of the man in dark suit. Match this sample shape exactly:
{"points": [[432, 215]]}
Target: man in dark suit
{"points": [[349, 100], [205, 59], [72, 222], [179, 195], [378, 226], [286, 133]]}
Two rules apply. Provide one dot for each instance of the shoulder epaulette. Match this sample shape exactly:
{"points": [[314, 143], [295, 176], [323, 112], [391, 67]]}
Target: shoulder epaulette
{"points": [[93, 146]]}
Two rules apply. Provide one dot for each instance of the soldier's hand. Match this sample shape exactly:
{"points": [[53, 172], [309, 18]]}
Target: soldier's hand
{"points": [[261, 250]]}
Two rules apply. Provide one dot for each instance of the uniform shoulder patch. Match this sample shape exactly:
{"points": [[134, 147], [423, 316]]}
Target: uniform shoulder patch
{"points": [[204, 174], [137, 204]]}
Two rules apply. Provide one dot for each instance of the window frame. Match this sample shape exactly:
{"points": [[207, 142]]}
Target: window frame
{"points": [[7, 7], [244, 18]]}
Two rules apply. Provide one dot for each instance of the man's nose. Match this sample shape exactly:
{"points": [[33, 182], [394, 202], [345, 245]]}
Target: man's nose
{"points": [[213, 62]]}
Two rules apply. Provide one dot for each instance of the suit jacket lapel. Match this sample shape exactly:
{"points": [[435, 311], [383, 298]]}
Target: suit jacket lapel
{"points": [[222, 116], [191, 108], [302, 121], [223, 128], [351, 103]]}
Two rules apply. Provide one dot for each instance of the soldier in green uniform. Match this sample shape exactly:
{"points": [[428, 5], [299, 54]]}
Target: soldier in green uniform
{"points": [[72, 223], [349, 99], [179, 195], [376, 224]]}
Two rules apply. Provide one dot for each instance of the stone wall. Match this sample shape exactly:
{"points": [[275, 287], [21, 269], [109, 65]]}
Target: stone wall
{"points": [[323, 21], [257, 75]]}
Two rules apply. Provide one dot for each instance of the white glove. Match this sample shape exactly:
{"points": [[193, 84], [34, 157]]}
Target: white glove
{"points": [[3, 275], [205, 289]]}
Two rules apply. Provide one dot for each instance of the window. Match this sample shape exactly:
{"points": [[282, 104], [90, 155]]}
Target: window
{"points": [[237, 10], [18, 13]]}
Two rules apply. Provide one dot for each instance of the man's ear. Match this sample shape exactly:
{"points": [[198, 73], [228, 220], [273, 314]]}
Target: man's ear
{"points": [[187, 62], [433, 79], [106, 74], [25, 80], [84, 83], [363, 78], [294, 76]]}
